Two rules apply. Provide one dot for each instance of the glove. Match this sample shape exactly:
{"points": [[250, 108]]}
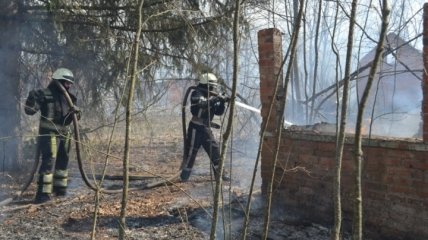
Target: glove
{"points": [[34, 96], [213, 100], [224, 98], [31, 104], [74, 109]]}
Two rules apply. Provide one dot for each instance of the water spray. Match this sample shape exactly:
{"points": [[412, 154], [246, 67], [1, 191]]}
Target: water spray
{"points": [[256, 110]]}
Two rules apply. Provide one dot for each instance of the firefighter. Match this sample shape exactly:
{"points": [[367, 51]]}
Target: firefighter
{"points": [[205, 103], [53, 141]]}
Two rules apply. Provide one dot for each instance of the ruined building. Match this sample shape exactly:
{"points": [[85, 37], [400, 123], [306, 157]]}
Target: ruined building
{"points": [[395, 171]]}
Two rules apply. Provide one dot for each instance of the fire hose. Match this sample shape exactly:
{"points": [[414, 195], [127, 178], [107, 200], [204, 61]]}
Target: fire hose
{"points": [[80, 162], [183, 123]]}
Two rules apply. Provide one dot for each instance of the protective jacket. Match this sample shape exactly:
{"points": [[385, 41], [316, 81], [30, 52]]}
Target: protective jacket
{"points": [[55, 114], [203, 108]]}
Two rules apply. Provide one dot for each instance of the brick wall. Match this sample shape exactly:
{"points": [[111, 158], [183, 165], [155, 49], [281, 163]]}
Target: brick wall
{"points": [[395, 176]]}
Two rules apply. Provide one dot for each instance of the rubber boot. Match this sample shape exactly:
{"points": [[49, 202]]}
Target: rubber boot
{"points": [[60, 191], [225, 177], [44, 188], [41, 198], [185, 174], [60, 183]]}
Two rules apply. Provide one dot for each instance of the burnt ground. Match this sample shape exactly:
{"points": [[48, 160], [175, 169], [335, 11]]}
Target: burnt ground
{"points": [[178, 211]]}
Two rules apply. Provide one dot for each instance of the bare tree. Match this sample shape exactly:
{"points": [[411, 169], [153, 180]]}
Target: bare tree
{"points": [[358, 198], [316, 54], [340, 142], [132, 83], [228, 131], [337, 199]]}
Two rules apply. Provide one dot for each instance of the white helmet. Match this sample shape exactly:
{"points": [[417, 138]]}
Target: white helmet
{"points": [[63, 74], [208, 78]]}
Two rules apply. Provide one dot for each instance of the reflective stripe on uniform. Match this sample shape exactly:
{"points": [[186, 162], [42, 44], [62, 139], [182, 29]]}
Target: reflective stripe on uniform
{"points": [[47, 188], [60, 182], [53, 145], [47, 178], [61, 173], [60, 178], [47, 183], [67, 143]]}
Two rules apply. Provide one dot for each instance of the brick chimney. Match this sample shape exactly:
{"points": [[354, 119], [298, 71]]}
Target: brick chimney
{"points": [[270, 59], [425, 78]]}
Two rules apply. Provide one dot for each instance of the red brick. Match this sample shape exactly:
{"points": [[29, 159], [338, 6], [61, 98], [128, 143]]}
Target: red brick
{"points": [[307, 159], [393, 161], [370, 195], [422, 194], [371, 165], [399, 181], [266, 48], [378, 176], [326, 163], [327, 146], [348, 166], [405, 210], [418, 202], [419, 175], [265, 62], [422, 185], [323, 153], [375, 186], [269, 84], [416, 164], [396, 153], [304, 150], [398, 172], [264, 93], [399, 190]]}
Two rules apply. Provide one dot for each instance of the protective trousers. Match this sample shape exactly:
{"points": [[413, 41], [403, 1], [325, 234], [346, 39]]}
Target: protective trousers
{"points": [[197, 136], [54, 147]]}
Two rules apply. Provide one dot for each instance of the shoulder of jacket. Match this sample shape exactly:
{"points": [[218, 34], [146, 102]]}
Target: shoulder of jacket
{"points": [[46, 91], [73, 97]]}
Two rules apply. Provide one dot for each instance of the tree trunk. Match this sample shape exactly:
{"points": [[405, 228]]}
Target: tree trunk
{"points": [[10, 82], [343, 115], [358, 198], [316, 46], [228, 131], [337, 198], [134, 73]]}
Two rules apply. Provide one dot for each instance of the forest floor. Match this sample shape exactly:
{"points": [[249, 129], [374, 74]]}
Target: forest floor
{"points": [[173, 211]]}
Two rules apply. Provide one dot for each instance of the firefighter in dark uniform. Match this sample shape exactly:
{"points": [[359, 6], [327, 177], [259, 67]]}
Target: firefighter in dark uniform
{"points": [[54, 133], [205, 103]]}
